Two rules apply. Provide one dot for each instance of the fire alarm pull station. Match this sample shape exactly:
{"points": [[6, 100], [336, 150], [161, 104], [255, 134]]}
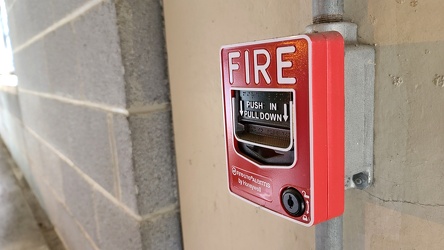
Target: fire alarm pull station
{"points": [[284, 124]]}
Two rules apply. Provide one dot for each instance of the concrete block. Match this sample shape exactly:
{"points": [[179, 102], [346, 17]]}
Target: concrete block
{"points": [[30, 18], [13, 136], [162, 232], [4, 101], [66, 226], [16, 25], [48, 118], [50, 204], [117, 229], [13, 31], [8, 3], [63, 67], [78, 132], [9, 102], [9, 185], [40, 215], [153, 156], [31, 68], [34, 156], [34, 167], [13, 105], [90, 145], [70, 232], [79, 199], [62, 8], [97, 45], [51, 165], [122, 135], [142, 40], [17, 147]]}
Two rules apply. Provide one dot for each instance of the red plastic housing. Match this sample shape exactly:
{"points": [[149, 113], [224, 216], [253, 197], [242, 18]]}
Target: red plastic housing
{"points": [[310, 69]]}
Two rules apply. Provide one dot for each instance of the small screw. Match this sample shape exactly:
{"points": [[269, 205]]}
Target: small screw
{"points": [[360, 180]]}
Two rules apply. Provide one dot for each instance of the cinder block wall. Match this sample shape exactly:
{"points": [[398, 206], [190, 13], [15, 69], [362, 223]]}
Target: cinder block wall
{"points": [[11, 127], [89, 123]]}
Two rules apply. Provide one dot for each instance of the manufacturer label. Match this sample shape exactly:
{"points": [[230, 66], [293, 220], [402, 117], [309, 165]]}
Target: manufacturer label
{"points": [[251, 183]]}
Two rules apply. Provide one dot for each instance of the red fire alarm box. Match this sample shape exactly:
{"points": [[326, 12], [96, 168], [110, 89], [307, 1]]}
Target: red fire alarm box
{"points": [[284, 124]]}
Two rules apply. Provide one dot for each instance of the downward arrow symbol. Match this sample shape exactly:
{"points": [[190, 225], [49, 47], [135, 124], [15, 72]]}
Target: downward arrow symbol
{"points": [[241, 109], [285, 112]]}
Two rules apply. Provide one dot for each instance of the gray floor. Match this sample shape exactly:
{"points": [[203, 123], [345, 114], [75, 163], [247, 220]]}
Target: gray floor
{"points": [[19, 229]]}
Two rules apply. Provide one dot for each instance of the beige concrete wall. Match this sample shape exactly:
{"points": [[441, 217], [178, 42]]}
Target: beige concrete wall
{"points": [[211, 217], [404, 209]]}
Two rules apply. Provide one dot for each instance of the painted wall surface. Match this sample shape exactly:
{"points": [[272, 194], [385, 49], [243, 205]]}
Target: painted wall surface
{"points": [[195, 31], [405, 207]]}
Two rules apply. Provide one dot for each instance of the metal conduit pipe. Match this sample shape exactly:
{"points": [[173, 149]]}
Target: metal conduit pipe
{"points": [[327, 11], [329, 233]]}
